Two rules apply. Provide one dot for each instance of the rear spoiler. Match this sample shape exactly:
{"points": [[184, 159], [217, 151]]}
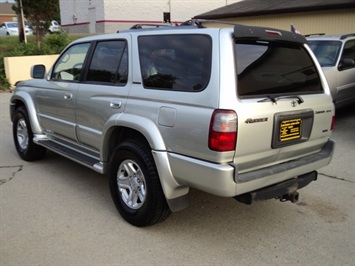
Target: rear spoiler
{"points": [[252, 33]]}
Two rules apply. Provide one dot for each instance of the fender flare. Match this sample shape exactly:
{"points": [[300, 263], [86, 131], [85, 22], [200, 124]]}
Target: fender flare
{"points": [[140, 124], [27, 101], [175, 193]]}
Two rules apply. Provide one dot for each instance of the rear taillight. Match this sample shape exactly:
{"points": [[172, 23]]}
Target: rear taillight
{"points": [[223, 130], [333, 122]]}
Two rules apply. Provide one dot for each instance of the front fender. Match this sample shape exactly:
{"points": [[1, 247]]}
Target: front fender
{"points": [[24, 98]]}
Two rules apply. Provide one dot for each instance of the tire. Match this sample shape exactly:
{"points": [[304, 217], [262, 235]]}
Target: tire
{"points": [[135, 185], [23, 137]]}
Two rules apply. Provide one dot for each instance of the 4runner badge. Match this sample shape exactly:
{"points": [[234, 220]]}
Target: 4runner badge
{"points": [[256, 120]]}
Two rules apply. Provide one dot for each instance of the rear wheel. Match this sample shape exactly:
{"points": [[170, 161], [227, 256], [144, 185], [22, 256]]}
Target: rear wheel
{"points": [[23, 137], [135, 185]]}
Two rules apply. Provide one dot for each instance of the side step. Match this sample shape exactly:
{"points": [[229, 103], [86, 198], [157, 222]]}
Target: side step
{"points": [[72, 154]]}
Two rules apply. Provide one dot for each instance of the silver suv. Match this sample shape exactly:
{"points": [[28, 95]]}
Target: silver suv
{"points": [[336, 55], [241, 112]]}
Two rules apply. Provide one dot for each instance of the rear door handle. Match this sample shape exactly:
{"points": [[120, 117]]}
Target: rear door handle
{"points": [[115, 105]]}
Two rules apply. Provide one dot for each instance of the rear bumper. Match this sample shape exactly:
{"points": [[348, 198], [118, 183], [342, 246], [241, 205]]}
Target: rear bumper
{"points": [[325, 154], [223, 180]]}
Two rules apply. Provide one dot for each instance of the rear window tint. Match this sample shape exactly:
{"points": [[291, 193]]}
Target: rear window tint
{"points": [[275, 69], [175, 62]]}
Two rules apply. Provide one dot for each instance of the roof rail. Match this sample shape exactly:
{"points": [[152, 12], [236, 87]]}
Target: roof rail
{"points": [[140, 26], [192, 22], [198, 22], [346, 36], [314, 34]]}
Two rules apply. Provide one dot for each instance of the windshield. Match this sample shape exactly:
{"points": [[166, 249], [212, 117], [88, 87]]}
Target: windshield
{"points": [[326, 51], [266, 69]]}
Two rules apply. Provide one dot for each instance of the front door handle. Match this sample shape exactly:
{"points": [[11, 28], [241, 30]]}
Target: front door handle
{"points": [[115, 105], [68, 96]]}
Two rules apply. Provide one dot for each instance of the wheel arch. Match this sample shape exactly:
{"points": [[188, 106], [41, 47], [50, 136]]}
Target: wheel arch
{"points": [[147, 132], [128, 126], [24, 99]]}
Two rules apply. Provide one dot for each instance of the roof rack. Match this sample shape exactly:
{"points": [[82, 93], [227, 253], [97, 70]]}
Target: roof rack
{"points": [[140, 26], [314, 34], [346, 36], [198, 22]]}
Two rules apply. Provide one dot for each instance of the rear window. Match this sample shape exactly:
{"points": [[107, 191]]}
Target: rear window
{"points": [[275, 69], [175, 62]]}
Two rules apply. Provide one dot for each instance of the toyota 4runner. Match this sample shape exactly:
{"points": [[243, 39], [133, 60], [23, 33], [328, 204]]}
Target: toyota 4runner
{"points": [[240, 111]]}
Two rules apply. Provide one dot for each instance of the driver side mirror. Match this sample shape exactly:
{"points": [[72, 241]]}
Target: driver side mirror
{"points": [[38, 71], [346, 63]]}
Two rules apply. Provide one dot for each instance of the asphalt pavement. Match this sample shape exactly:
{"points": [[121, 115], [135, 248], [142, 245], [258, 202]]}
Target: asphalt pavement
{"points": [[57, 212]]}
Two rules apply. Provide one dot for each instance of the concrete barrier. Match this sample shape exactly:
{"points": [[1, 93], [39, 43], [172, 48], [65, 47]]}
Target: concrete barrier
{"points": [[17, 68]]}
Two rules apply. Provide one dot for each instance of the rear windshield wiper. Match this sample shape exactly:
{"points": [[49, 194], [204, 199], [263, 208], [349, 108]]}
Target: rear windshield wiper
{"points": [[275, 99]]}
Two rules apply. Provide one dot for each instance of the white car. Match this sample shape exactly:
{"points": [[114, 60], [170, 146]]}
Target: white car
{"points": [[54, 27], [11, 29]]}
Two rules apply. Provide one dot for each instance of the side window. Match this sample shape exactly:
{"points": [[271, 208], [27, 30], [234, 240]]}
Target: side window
{"points": [[347, 59], [175, 62], [69, 66], [109, 63]]}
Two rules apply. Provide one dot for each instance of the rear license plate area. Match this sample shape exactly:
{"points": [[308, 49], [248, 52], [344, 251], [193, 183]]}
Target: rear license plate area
{"points": [[291, 128]]}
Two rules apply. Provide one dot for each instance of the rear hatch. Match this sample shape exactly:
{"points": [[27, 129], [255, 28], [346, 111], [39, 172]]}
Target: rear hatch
{"points": [[285, 110]]}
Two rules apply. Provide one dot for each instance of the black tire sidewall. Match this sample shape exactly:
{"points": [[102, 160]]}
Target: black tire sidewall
{"points": [[130, 150], [33, 151], [21, 114]]}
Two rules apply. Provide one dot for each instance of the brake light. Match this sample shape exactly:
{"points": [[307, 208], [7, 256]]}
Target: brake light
{"points": [[332, 124], [223, 130], [273, 32]]}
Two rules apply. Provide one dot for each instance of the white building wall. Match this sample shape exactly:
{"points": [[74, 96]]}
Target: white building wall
{"points": [[99, 16]]}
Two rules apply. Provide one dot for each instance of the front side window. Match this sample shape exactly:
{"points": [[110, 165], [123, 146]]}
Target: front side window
{"points": [[109, 63], [265, 68], [326, 51], [348, 56], [175, 62], [70, 65]]}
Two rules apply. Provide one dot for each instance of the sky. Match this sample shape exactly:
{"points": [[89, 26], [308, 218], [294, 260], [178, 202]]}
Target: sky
{"points": [[9, 1]]}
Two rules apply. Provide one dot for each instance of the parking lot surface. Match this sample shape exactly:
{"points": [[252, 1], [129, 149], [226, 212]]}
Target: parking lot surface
{"points": [[57, 212]]}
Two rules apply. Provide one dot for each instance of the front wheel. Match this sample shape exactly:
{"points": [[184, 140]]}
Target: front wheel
{"points": [[135, 185], [23, 137]]}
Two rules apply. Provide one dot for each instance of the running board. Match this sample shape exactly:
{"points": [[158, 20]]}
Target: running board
{"points": [[71, 154]]}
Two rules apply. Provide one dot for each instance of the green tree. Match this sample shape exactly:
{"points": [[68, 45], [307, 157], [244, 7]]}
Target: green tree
{"points": [[39, 13]]}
